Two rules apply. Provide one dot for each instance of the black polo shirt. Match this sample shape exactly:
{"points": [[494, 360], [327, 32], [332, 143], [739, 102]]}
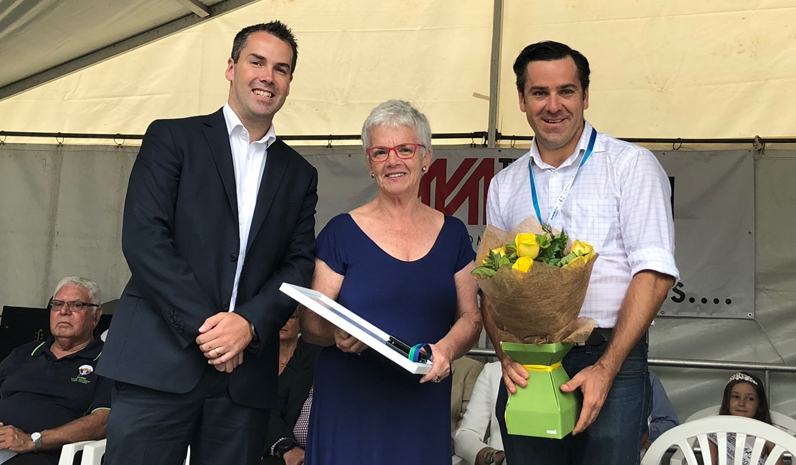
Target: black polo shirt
{"points": [[39, 391]]}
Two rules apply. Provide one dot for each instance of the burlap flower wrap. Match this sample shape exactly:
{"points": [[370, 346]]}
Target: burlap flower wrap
{"points": [[540, 306]]}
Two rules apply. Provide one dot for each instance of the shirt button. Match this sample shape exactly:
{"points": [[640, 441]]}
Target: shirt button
{"points": [[555, 173]]}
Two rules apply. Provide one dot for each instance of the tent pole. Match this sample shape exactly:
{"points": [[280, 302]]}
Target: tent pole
{"points": [[494, 72]]}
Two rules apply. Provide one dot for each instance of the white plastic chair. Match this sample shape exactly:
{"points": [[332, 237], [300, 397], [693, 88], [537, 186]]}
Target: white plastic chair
{"points": [[68, 452], [781, 421], [682, 436], [93, 452]]}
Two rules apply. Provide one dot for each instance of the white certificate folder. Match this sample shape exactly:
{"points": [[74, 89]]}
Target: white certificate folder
{"points": [[356, 326]]}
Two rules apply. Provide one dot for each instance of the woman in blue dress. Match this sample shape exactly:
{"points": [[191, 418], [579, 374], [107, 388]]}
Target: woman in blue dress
{"points": [[404, 267]]}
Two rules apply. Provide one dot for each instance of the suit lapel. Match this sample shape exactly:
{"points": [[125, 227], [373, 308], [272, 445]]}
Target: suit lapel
{"points": [[275, 168], [218, 138]]}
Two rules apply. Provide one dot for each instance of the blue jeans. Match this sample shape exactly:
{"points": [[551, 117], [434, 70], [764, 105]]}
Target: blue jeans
{"points": [[615, 436]]}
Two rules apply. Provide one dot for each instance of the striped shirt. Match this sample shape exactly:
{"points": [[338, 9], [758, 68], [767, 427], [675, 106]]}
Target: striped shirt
{"points": [[620, 203]]}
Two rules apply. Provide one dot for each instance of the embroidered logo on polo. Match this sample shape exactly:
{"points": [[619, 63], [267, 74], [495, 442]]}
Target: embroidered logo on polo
{"points": [[83, 371]]}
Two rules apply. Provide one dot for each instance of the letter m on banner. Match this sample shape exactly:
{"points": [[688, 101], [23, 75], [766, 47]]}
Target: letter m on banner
{"points": [[469, 182]]}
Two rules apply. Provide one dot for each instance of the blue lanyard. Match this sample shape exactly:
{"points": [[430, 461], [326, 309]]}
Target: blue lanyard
{"points": [[565, 192]]}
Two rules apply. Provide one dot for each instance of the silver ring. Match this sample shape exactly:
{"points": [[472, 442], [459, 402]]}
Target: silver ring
{"points": [[437, 379], [218, 354]]}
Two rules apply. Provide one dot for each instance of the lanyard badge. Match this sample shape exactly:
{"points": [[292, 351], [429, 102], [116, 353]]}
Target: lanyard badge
{"points": [[565, 191]]}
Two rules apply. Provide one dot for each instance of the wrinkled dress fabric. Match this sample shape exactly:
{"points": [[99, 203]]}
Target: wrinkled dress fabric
{"points": [[366, 409]]}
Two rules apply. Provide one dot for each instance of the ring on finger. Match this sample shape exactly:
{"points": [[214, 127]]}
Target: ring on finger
{"points": [[218, 354]]}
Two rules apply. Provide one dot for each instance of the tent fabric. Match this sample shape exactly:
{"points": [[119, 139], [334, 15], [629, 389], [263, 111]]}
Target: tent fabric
{"points": [[47, 39], [659, 69], [38, 34], [61, 216], [667, 69], [352, 56]]}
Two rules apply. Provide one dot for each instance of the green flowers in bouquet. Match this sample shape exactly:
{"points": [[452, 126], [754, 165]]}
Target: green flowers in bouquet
{"points": [[527, 248]]}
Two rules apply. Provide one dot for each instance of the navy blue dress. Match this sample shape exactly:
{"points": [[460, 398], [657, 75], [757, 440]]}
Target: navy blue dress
{"points": [[367, 410]]}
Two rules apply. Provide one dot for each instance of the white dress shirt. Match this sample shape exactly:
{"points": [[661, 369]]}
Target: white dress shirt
{"points": [[620, 203], [248, 159], [479, 421]]}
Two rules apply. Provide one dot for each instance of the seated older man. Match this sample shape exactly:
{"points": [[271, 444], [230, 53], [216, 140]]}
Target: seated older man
{"points": [[49, 393]]}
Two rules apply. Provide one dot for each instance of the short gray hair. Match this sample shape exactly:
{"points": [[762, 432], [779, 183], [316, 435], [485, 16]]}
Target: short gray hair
{"points": [[94, 292], [394, 113]]}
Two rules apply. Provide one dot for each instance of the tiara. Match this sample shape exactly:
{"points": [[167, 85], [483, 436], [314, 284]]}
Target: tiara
{"points": [[742, 377]]}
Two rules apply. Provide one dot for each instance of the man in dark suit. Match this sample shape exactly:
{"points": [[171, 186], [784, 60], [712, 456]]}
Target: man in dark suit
{"points": [[219, 213]]}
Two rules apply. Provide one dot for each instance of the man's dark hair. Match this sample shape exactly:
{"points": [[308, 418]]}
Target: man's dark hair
{"points": [[550, 51], [277, 29]]}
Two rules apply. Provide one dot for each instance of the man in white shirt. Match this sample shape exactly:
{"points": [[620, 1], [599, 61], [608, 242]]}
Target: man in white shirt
{"points": [[616, 196], [478, 440], [219, 213]]}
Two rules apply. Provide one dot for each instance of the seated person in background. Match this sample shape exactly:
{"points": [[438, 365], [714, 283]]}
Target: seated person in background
{"points": [[744, 396], [49, 393], [464, 372], [287, 430], [478, 439], [663, 417]]}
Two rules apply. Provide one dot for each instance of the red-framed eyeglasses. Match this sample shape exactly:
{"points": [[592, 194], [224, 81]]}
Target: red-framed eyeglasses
{"points": [[404, 151]]}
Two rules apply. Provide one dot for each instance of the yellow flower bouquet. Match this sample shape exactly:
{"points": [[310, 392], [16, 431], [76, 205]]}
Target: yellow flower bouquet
{"points": [[536, 282], [548, 248]]}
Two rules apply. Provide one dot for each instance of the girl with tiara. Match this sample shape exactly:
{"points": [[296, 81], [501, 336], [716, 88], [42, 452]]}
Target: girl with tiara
{"points": [[743, 396]]}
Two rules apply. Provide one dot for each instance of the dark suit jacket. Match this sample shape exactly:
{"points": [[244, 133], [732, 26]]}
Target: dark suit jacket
{"points": [[180, 239]]}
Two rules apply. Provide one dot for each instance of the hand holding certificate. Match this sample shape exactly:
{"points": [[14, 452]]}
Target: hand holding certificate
{"points": [[414, 359]]}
